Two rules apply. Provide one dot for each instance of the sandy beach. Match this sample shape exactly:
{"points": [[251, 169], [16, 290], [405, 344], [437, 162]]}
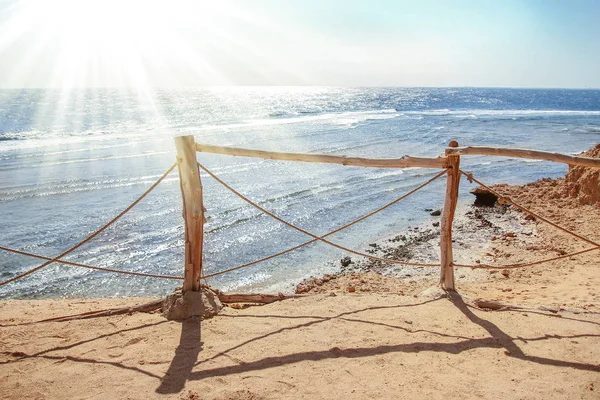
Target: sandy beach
{"points": [[358, 334]]}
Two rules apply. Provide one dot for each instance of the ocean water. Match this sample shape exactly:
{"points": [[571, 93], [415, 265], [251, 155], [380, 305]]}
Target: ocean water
{"points": [[71, 160]]}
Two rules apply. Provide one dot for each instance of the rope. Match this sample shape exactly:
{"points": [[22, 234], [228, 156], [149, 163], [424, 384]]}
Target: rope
{"points": [[521, 265], [513, 266], [93, 235], [75, 264], [509, 200], [315, 237]]}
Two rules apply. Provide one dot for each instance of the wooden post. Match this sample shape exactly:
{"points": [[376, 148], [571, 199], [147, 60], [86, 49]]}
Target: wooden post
{"points": [[452, 182], [193, 210]]}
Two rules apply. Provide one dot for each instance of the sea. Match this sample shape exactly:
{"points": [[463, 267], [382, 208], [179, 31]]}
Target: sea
{"points": [[70, 160]]}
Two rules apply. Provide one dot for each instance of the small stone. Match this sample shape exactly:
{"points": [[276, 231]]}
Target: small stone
{"points": [[351, 289], [505, 273], [436, 224], [436, 213], [346, 261]]}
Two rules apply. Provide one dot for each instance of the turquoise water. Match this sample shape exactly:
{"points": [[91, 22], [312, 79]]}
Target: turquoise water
{"points": [[70, 161]]}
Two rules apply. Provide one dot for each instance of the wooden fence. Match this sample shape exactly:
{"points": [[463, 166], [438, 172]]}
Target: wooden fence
{"points": [[193, 208]]}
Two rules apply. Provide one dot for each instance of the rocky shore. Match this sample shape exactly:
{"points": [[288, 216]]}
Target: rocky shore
{"points": [[486, 232]]}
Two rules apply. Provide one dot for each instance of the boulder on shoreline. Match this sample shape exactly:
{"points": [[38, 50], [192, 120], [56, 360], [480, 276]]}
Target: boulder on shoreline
{"points": [[583, 183], [483, 197]]}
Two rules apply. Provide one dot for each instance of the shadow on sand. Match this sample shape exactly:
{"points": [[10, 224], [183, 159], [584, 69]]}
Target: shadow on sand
{"points": [[186, 356], [186, 366]]}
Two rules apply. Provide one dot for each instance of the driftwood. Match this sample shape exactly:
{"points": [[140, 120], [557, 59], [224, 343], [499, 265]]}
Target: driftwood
{"points": [[146, 307], [500, 306], [525, 153], [493, 305], [403, 162], [254, 297], [157, 305]]}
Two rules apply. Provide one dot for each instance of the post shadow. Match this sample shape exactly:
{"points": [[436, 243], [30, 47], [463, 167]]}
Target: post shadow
{"points": [[502, 337], [508, 342], [185, 357]]}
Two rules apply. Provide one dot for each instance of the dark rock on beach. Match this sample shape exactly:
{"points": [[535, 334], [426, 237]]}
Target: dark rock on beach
{"points": [[346, 261], [483, 197]]}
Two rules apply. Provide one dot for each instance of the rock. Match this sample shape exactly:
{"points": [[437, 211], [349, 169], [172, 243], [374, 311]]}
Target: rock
{"points": [[436, 224], [436, 213], [428, 209], [180, 306], [483, 197], [505, 273], [583, 183], [346, 261], [351, 289]]}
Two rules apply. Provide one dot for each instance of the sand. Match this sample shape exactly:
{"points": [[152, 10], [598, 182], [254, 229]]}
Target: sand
{"points": [[356, 335], [347, 346]]}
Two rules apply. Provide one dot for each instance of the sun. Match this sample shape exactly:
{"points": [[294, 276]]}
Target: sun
{"points": [[125, 43]]}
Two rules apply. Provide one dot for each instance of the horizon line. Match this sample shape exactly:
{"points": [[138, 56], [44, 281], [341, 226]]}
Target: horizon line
{"points": [[308, 86]]}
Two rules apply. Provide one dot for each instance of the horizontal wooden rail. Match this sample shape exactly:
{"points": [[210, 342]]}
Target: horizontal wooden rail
{"points": [[524, 153], [403, 162]]}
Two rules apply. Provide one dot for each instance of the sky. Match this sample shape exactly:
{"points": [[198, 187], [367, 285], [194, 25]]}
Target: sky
{"points": [[185, 43]]}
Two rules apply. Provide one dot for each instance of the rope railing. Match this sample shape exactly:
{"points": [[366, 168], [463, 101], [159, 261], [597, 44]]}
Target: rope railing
{"points": [[192, 178], [507, 199], [421, 186], [93, 235], [316, 237], [521, 265], [76, 264]]}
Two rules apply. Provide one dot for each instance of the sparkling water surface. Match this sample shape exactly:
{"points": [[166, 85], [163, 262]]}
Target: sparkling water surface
{"points": [[71, 160]]}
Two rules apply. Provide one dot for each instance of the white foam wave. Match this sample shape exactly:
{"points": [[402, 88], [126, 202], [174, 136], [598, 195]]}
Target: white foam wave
{"points": [[343, 118], [474, 113]]}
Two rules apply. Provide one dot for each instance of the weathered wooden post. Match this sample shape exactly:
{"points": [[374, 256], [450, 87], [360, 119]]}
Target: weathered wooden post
{"points": [[452, 182], [193, 210]]}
